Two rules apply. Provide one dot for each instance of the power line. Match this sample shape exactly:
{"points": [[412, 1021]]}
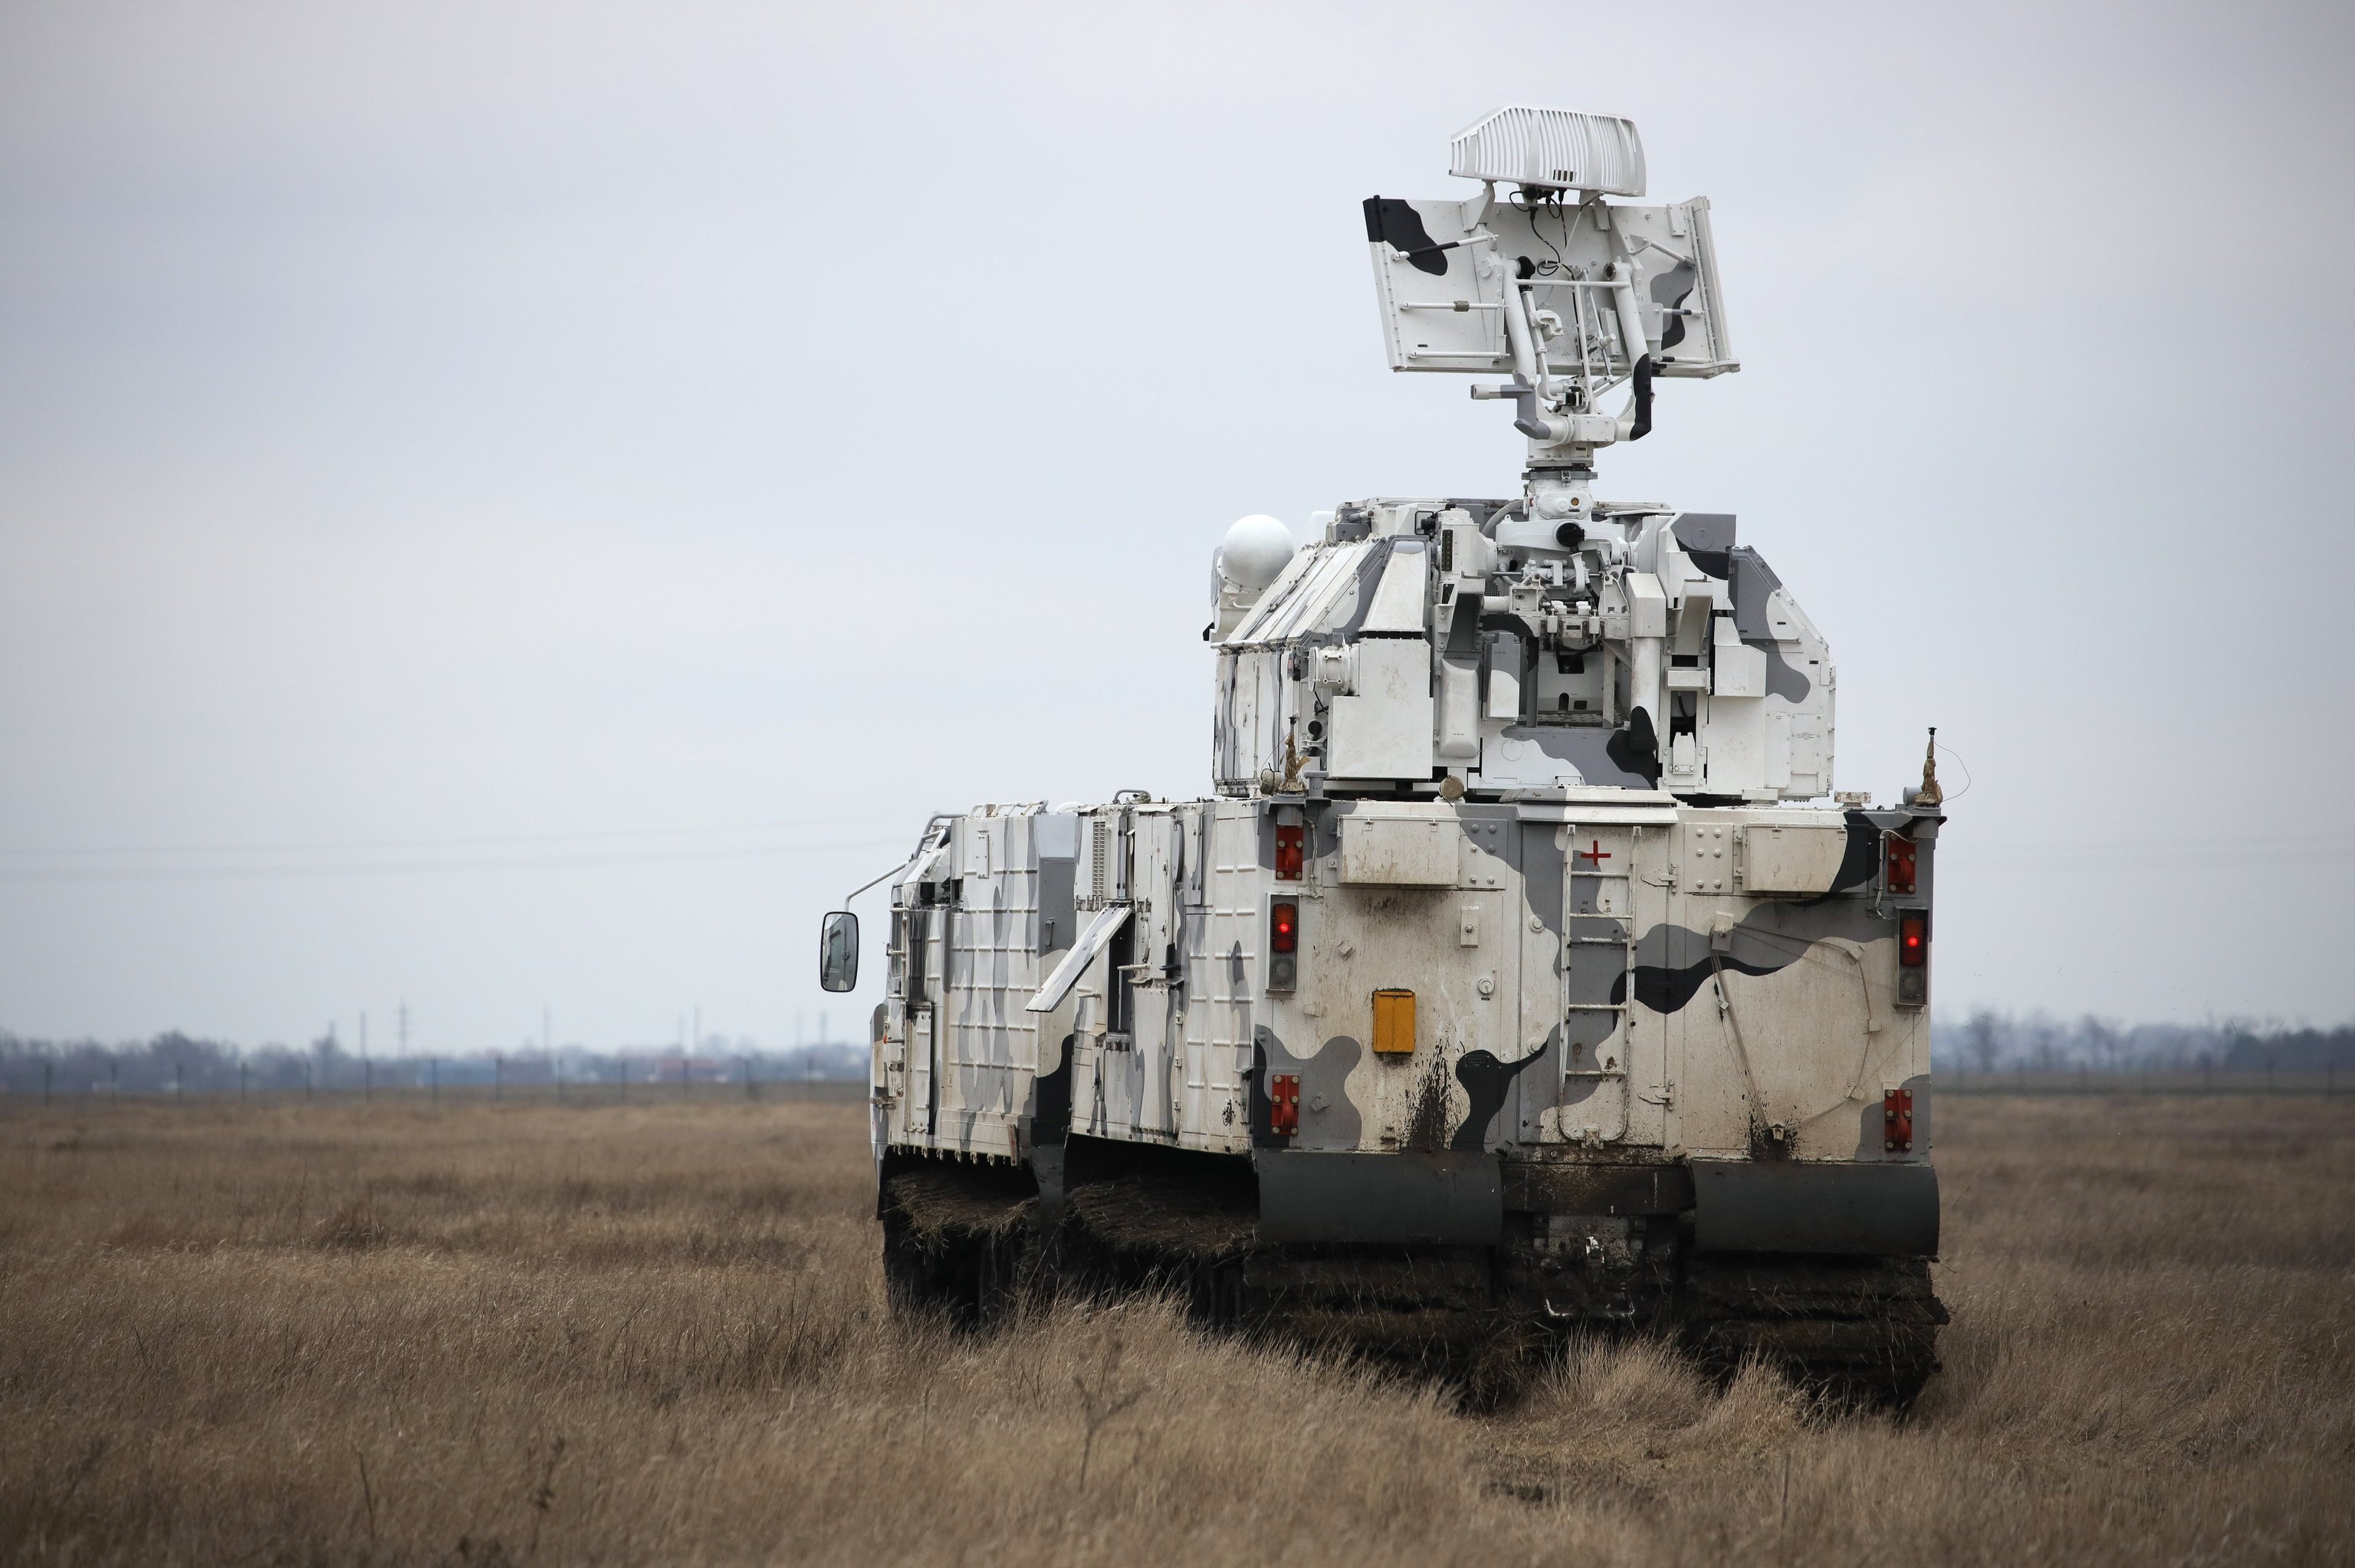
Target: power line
{"points": [[1992, 853], [427, 867], [1962, 854], [313, 846]]}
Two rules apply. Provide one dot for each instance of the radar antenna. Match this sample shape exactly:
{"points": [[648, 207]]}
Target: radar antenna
{"points": [[1572, 296]]}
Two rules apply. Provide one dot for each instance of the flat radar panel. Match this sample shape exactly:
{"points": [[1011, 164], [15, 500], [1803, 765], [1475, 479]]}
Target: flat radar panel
{"points": [[1447, 272]]}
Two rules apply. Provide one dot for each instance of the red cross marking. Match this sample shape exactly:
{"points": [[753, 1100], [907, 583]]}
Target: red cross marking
{"points": [[1598, 855]]}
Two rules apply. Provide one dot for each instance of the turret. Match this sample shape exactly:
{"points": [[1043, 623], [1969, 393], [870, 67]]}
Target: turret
{"points": [[1553, 640]]}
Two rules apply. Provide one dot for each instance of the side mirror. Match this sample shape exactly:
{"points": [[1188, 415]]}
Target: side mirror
{"points": [[837, 951]]}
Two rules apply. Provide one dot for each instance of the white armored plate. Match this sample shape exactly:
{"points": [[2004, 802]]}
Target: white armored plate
{"points": [[1414, 852], [1793, 859], [1309, 596], [1049, 996]]}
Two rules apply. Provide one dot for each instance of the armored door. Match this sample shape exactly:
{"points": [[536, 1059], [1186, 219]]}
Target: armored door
{"points": [[1150, 970]]}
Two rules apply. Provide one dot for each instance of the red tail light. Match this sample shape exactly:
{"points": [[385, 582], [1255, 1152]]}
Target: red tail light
{"points": [[1290, 844], [1914, 939], [1283, 944]]}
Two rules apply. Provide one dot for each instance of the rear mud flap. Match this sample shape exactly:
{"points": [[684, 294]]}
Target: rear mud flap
{"points": [[1440, 1200], [1802, 1206]]}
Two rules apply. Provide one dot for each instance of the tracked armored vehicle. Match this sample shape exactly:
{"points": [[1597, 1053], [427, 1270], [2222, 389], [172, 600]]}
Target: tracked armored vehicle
{"points": [[1523, 975]]}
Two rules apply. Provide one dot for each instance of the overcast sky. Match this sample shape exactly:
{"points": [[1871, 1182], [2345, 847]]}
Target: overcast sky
{"points": [[506, 506]]}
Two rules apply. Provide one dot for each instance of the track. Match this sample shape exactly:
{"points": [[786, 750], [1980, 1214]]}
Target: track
{"points": [[972, 1242], [1862, 1331]]}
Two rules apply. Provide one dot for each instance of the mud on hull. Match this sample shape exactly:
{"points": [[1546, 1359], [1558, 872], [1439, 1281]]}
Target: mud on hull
{"points": [[975, 1241]]}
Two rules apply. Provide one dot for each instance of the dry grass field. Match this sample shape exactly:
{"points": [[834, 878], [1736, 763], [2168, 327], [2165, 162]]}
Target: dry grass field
{"points": [[472, 1334]]}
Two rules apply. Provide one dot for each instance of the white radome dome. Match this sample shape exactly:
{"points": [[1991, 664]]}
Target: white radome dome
{"points": [[1254, 552]]}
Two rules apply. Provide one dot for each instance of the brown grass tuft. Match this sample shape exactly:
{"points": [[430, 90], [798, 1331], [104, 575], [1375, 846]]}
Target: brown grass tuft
{"points": [[656, 1334], [354, 1227]]}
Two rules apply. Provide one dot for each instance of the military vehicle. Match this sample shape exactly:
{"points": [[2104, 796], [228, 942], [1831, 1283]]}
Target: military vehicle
{"points": [[1523, 975]]}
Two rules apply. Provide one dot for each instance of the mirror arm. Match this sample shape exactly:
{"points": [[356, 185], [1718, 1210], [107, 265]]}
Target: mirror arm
{"points": [[885, 877]]}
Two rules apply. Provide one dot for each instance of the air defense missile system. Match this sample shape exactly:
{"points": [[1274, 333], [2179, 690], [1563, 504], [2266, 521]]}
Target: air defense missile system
{"points": [[1522, 975]]}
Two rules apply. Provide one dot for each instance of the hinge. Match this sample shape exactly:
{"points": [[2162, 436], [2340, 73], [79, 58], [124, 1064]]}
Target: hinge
{"points": [[1897, 1121], [1283, 1104]]}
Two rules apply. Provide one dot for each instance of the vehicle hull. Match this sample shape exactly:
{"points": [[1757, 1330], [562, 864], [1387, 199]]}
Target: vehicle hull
{"points": [[1658, 1066]]}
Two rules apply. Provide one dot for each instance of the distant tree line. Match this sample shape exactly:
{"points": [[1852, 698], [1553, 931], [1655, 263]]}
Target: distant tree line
{"points": [[1986, 1041], [1983, 1042], [175, 1062]]}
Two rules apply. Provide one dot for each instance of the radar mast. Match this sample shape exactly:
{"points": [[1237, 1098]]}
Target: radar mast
{"points": [[1572, 296]]}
